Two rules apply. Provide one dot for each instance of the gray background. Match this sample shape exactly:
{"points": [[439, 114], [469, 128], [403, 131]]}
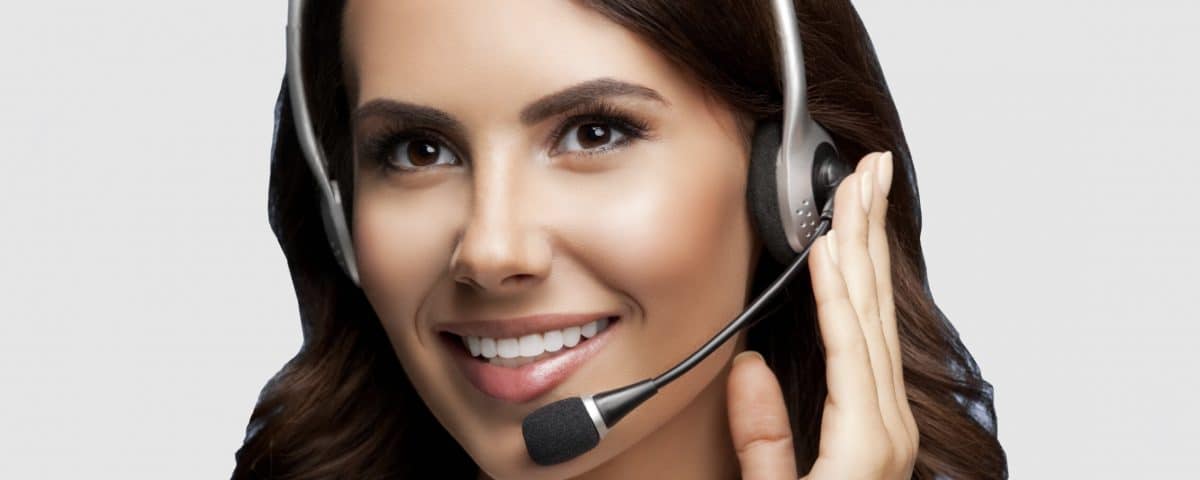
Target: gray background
{"points": [[144, 301]]}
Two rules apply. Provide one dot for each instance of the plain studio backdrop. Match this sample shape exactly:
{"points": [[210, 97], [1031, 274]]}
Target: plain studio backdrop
{"points": [[144, 300]]}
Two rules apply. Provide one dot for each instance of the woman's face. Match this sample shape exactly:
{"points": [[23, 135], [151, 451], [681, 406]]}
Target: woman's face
{"points": [[535, 158]]}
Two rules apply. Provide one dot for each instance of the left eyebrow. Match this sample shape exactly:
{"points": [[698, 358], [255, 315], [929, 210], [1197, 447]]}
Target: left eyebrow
{"points": [[589, 91]]}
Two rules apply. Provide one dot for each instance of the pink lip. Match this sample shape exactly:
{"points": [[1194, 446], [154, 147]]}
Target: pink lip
{"points": [[527, 382]]}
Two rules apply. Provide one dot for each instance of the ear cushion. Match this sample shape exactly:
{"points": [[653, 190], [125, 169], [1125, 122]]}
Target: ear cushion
{"points": [[761, 191]]}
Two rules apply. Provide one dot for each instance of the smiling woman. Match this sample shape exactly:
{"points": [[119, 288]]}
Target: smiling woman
{"points": [[549, 198]]}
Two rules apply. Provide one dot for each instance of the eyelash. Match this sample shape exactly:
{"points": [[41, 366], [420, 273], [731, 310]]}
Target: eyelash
{"points": [[378, 148], [632, 127]]}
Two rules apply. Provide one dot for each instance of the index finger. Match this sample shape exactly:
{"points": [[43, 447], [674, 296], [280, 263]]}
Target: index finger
{"points": [[758, 421]]}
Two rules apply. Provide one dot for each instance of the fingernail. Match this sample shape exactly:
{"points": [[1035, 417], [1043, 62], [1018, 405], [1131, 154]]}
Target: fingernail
{"points": [[883, 169], [866, 187], [747, 354], [831, 242]]}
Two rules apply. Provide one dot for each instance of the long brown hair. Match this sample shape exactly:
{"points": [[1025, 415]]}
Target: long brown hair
{"points": [[343, 406]]}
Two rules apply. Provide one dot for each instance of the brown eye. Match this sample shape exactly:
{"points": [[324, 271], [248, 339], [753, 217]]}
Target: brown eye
{"points": [[418, 153], [591, 136], [422, 153]]}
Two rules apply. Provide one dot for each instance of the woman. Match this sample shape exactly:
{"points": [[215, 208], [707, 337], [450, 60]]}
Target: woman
{"points": [[589, 158]]}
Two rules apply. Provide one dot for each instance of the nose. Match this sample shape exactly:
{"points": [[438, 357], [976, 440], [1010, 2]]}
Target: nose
{"points": [[501, 249]]}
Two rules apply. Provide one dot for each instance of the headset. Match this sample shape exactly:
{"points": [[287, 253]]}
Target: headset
{"points": [[795, 169]]}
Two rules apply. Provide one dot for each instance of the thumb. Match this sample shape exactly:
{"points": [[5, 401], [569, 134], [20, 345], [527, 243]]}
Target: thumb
{"points": [[758, 420]]}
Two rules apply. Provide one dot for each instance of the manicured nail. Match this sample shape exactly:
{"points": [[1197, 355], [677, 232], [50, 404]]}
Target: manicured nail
{"points": [[866, 187], [747, 354], [831, 242], [883, 170]]}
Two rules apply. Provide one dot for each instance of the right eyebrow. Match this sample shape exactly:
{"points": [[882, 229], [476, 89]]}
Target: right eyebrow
{"points": [[410, 113]]}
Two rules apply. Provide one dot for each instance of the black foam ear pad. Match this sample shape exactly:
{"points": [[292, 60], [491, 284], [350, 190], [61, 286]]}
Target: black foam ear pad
{"points": [[761, 191]]}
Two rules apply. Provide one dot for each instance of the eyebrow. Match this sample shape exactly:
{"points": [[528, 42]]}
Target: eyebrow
{"points": [[569, 97], [545, 107]]}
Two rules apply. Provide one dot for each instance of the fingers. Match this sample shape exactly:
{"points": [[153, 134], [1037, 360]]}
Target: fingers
{"points": [[758, 420], [853, 222], [851, 384], [877, 245], [867, 427]]}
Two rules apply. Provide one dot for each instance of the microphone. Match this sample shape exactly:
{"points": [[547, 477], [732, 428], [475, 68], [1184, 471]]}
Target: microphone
{"points": [[570, 427]]}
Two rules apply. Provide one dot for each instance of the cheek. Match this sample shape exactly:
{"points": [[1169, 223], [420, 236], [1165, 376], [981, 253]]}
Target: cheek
{"points": [[676, 238], [679, 227], [402, 248], [403, 242]]}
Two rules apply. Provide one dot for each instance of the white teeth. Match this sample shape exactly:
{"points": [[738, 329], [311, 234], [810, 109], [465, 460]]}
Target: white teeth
{"points": [[513, 362], [487, 346], [531, 345], [473, 346], [518, 351], [570, 336], [508, 347], [589, 330], [552, 341]]}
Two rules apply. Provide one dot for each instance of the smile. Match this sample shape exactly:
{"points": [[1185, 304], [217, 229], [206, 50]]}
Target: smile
{"points": [[515, 352], [520, 369]]}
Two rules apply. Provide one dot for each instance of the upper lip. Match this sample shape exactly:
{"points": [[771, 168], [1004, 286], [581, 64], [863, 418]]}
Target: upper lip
{"points": [[516, 327]]}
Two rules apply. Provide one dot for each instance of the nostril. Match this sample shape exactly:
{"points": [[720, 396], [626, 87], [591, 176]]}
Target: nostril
{"points": [[518, 279], [470, 281]]}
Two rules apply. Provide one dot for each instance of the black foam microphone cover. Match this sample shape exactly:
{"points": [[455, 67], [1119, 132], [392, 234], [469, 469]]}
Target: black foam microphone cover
{"points": [[559, 432]]}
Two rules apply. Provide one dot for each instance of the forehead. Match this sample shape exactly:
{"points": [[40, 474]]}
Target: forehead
{"points": [[435, 51]]}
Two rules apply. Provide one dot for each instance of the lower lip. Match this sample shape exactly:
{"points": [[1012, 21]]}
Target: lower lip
{"points": [[532, 380]]}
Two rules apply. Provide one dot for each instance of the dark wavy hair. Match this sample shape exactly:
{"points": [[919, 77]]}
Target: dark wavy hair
{"points": [[343, 406]]}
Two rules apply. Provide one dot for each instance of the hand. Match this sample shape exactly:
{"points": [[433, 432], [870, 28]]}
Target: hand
{"points": [[867, 429]]}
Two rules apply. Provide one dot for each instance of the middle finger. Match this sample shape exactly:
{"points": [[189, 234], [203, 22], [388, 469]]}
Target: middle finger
{"points": [[851, 221]]}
